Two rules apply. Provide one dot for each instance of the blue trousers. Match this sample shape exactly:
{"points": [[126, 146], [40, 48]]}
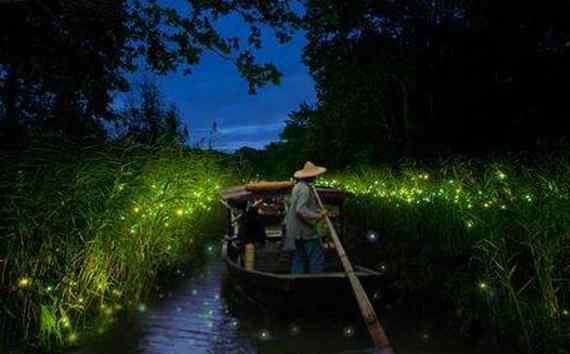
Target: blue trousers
{"points": [[308, 253]]}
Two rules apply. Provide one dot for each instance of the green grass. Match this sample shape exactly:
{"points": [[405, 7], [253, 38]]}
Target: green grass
{"points": [[88, 232], [492, 239]]}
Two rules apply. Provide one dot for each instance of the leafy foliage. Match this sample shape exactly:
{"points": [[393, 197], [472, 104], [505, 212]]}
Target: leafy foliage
{"points": [[61, 61], [88, 232], [420, 79], [488, 240], [147, 120]]}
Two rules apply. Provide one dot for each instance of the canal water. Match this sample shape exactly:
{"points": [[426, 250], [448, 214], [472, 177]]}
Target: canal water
{"points": [[206, 314]]}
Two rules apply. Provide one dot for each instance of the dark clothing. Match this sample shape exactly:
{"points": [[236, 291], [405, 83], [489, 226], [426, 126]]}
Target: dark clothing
{"points": [[308, 257], [252, 228]]}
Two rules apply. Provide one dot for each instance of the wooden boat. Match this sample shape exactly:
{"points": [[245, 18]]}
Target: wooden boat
{"points": [[270, 281]]}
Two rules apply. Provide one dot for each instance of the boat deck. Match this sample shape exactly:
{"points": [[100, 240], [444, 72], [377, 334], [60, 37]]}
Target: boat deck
{"points": [[271, 259]]}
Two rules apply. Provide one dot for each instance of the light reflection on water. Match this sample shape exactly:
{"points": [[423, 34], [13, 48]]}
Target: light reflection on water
{"points": [[205, 315]]}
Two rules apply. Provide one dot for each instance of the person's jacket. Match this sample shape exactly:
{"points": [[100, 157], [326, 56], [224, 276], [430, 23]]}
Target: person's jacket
{"points": [[252, 228], [302, 216]]}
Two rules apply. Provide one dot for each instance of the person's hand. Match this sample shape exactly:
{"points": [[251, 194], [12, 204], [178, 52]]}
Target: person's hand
{"points": [[324, 213], [257, 202]]}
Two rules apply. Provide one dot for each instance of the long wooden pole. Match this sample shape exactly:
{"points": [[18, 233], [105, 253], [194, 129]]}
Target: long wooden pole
{"points": [[374, 327]]}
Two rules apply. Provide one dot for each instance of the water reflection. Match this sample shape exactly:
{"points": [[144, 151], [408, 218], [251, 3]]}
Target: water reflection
{"points": [[206, 314]]}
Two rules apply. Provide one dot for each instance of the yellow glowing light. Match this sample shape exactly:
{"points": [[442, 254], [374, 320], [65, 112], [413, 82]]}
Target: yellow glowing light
{"points": [[565, 312], [179, 212], [65, 323], [483, 285], [72, 338], [24, 282], [136, 209]]}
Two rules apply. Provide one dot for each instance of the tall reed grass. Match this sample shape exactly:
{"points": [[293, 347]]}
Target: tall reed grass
{"points": [[87, 232], [491, 238]]}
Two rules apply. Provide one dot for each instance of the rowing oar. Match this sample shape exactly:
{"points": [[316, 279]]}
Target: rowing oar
{"points": [[374, 327]]}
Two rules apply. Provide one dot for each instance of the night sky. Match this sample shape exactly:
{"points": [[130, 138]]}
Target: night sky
{"points": [[215, 91]]}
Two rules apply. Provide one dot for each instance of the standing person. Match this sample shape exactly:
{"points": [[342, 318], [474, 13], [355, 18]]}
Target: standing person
{"points": [[301, 236]]}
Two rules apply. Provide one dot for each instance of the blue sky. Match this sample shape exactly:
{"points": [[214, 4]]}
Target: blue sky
{"points": [[215, 92]]}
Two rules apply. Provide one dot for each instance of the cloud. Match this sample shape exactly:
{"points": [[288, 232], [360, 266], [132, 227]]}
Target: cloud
{"points": [[248, 130], [215, 92], [237, 144]]}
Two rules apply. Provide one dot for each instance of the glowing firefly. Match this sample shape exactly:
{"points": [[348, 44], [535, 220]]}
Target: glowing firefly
{"points": [[24, 282], [72, 338]]}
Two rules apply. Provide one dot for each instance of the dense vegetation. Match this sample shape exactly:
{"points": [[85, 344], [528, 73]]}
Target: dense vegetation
{"points": [[422, 79], [62, 63], [87, 232], [487, 242]]}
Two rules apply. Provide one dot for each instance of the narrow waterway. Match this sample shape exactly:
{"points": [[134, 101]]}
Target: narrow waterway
{"points": [[206, 314]]}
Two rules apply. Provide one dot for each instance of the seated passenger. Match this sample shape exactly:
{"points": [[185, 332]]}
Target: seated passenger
{"points": [[252, 227]]}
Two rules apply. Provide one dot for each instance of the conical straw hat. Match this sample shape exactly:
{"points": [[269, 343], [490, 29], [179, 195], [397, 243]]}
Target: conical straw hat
{"points": [[310, 170]]}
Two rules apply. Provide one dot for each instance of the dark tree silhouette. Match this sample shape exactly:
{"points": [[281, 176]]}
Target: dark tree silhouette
{"points": [[416, 78], [148, 119], [72, 55]]}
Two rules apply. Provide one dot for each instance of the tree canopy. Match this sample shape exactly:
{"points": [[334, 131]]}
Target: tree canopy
{"points": [[60, 61], [417, 78]]}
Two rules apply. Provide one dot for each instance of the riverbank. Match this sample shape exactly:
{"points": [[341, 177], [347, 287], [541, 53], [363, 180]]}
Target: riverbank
{"points": [[87, 234], [485, 245]]}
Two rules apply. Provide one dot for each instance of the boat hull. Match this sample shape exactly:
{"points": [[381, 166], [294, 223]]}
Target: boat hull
{"points": [[288, 292]]}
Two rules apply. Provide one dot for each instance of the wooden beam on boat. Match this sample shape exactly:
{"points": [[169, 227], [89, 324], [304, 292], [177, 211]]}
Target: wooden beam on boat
{"points": [[238, 195]]}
